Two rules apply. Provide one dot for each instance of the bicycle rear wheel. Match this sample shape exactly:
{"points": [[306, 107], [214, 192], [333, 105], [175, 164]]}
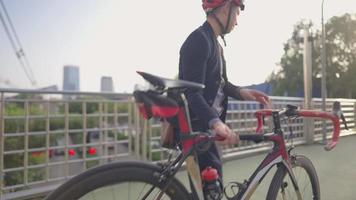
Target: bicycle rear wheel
{"points": [[121, 180], [282, 187]]}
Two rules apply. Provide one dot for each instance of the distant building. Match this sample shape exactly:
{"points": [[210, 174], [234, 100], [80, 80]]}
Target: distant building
{"points": [[107, 84], [71, 78]]}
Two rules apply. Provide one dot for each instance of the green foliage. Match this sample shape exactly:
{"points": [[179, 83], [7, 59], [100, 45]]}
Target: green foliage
{"points": [[13, 160], [14, 178], [92, 163], [37, 125], [156, 156], [75, 123], [122, 108], [16, 160], [77, 138], [57, 125], [340, 62], [36, 174], [122, 136], [36, 141], [36, 158], [14, 143], [14, 109]]}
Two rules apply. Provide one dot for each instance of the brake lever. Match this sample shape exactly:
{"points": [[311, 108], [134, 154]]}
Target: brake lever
{"points": [[338, 112]]}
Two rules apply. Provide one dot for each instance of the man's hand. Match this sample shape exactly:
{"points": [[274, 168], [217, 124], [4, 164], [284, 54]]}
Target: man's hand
{"points": [[224, 131], [255, 95]]}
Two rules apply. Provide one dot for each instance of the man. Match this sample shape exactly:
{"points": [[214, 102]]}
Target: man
{"points": [[201, 60]]}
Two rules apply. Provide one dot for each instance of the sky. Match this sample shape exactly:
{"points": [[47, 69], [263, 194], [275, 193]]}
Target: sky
{"points": [[117, 38]]}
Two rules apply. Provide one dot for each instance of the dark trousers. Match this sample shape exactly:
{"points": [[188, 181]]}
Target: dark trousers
{"points": [[211, 158]]}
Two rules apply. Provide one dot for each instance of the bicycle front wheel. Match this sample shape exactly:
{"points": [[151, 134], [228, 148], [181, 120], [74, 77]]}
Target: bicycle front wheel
{"points": [[282, 187], [121, 180]]}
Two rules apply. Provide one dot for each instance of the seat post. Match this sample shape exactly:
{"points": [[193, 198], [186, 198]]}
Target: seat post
{"points": [[187, 115]]}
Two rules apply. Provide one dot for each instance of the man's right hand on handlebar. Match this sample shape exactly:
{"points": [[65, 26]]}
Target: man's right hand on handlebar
{"points": [[224, 131]]}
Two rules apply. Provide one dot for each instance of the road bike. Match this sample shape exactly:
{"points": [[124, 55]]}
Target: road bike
{"points": [[295, 177]]}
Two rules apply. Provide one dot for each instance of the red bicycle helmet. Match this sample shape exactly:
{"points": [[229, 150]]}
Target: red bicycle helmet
{"points": [[209, 5]]}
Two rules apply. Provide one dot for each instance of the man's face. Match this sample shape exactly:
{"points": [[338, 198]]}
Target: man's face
{"points": [[235, 11]]}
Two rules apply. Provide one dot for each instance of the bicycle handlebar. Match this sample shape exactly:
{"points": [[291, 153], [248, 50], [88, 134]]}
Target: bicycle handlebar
{"points": [[292, 111], [306, 113]]}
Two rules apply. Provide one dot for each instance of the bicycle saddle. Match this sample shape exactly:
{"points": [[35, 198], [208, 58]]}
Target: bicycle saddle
{"points": [[164, 83]]}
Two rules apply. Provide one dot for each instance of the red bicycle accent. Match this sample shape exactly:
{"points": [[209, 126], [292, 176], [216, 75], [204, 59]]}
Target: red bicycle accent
{"points": [[307, 113], [259, 115], [325, 115]]}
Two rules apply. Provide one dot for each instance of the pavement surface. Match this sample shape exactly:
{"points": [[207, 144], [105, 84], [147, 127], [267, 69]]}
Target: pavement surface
{"points": [[336, 170]]}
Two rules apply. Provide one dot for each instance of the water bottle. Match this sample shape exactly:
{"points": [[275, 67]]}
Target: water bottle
{"points": [[211, 184]]}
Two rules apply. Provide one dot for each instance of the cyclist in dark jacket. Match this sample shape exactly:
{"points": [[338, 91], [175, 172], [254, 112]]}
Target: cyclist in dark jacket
{"points": [[201, 60]]}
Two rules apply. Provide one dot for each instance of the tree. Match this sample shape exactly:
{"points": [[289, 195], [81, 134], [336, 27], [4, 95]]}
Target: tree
{"points": [[340, 62]]}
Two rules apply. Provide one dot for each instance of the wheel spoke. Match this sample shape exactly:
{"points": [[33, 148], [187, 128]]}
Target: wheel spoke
{"points": [[113, 193], [147, 193]]}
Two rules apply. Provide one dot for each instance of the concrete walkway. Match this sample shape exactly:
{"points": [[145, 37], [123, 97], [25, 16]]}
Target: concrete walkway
{"points": [[336, 170]]}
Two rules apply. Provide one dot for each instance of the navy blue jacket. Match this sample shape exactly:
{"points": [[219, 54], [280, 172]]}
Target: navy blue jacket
{"points": [[200, 62]]}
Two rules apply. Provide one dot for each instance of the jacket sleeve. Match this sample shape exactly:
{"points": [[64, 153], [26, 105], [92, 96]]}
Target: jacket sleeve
{"points": [[194, 55], [232, 90]]}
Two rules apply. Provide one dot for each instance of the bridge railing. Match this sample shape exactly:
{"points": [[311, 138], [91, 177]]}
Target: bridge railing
{"points": [[48, 137], [240, 117]]}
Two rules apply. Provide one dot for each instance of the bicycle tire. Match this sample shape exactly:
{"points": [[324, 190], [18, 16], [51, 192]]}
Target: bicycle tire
{"points": [[279, 179], [117, 173]]}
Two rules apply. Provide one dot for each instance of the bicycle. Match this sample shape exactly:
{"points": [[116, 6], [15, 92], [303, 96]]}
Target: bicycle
{"points": [[157, 181]]}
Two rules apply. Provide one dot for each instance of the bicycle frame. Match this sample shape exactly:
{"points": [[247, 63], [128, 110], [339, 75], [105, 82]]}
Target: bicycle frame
{"points": [[280, 156]]}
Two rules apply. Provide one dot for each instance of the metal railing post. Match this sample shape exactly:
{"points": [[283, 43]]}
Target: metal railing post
{"points": [[2, 107], [307, 70], [116, 132], [355, 115], [149, 144], [105, 132], [27, 113], [47, 139], [323, 73], [144, 140], [66, 138], [136, 137], [100, 149], [131, 125], [85, 133]]}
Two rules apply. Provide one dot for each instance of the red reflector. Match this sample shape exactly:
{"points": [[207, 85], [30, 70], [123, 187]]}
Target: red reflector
{"points": [[91, 151], [71, 152]]}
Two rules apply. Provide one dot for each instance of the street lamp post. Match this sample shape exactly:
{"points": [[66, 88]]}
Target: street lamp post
{"points": [[323, 69]]}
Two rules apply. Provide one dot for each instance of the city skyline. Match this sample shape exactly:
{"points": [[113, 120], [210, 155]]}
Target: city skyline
{"points": [[117, 38], [71, 80]]}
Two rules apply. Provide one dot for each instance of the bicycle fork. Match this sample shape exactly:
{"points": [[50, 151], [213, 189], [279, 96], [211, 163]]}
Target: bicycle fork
{"points": [[293, 179]]}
